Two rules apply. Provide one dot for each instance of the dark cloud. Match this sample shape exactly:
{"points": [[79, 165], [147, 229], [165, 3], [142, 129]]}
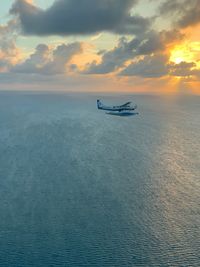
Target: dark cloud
{"points": [[191, 16], [114, 58], [183, 69], [149, 67], [67, 17], [47, 61], [184, 13], [145, 44], [154, 41], [171, 7], [158, 65]]}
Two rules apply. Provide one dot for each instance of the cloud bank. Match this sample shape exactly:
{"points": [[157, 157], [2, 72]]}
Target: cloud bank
{"points": [[149, 43], [48, 61], [71, 17], [141, 50]]}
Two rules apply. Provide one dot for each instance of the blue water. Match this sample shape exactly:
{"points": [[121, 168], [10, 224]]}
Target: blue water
{"points": [[79, 187]]}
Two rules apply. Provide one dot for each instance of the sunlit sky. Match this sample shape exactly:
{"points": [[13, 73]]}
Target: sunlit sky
{"points": [[102, 45]]}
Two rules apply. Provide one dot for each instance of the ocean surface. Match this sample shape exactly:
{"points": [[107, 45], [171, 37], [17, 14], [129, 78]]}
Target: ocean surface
{"points": [[79, 187]]}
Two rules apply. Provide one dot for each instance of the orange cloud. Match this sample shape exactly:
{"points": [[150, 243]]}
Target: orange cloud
{"points": [[89, 55], [10, 54]]}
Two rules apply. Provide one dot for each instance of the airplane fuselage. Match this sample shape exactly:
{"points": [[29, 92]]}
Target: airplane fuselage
{"points": [[115, 108], [125, 107]]}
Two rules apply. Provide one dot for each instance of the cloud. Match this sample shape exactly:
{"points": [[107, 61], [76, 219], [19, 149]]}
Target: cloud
{"points": [[145, 44], [155, 41], [112, 59], [49, 61], [70, 17], [183, 12], [158, 65], [149, 67], [9, 53], [183, 69]]}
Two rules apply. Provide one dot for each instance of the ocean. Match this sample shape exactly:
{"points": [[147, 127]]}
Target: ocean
{"points": [[79, 187]]}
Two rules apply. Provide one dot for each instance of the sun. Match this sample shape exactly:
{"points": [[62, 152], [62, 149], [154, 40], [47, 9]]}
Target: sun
{"points": [[180, 54], [177, 59], [185, 53]]}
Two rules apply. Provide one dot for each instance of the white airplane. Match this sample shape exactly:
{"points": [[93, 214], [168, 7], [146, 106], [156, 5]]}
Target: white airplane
{"points": [[125, 107]]}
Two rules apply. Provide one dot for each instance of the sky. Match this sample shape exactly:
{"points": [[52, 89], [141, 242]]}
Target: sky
{"points": [[100, 45]]}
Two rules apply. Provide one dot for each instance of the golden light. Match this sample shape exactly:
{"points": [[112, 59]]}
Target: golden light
{"points": [[188, 52], [180, 54], [177, 59]]}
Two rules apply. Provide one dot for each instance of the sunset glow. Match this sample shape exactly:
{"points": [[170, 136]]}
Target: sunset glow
{"points": [[189, 52], [61, 41]]}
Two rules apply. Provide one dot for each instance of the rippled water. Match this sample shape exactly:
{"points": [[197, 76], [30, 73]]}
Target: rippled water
{"points": [[82, 188]]}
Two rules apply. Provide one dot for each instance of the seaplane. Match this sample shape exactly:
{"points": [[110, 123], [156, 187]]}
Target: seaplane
{"points": [[122, 110]]}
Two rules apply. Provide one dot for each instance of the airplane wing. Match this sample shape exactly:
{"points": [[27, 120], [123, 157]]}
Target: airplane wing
{"points": [[126, 104]]}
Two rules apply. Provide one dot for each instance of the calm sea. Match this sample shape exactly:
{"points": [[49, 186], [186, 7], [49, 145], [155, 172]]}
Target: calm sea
{"points": [[79, 187]]}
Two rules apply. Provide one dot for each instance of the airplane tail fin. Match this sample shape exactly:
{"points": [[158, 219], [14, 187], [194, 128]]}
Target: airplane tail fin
{"points": [[99, 104]]}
